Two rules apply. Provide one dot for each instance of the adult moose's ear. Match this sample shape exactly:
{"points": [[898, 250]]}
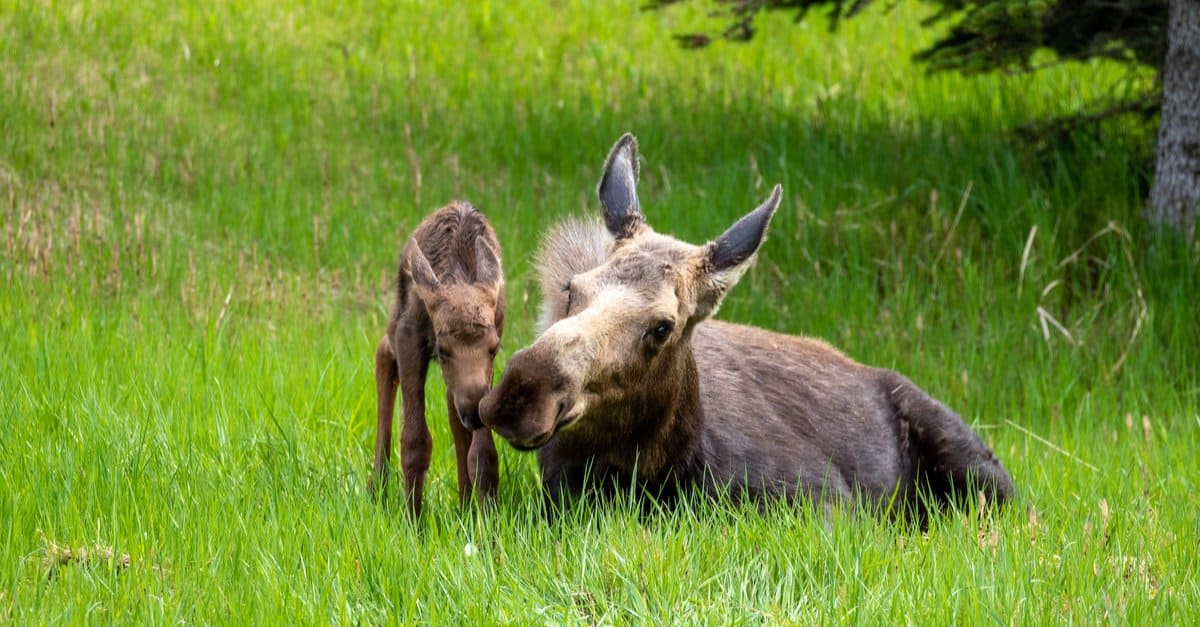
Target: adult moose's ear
{"points": [[487, 264], [618, 189], [420, 270], [732, 253]]}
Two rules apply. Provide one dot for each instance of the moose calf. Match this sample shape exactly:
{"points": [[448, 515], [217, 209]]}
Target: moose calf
{"points": [[450, 306], [629, 380]]}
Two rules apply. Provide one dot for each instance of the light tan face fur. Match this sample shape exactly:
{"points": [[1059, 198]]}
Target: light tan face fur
{"points": [[621, 317], [464, 324]]}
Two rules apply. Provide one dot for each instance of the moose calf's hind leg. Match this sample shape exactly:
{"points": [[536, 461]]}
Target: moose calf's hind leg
{"points": [[386, 381]]}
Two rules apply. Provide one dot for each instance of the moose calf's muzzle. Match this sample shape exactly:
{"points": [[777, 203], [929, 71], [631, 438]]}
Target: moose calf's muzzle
{"points": [[467, 404]]}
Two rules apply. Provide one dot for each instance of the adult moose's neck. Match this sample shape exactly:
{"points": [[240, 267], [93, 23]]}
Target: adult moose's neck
{"points": [[659, 423]]}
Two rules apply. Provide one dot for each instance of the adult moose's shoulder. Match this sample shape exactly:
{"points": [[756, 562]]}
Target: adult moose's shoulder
{"points": [[631, 381]]}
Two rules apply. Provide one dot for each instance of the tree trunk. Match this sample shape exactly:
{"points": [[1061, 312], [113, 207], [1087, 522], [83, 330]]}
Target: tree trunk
{"points": [[1175, 196]]}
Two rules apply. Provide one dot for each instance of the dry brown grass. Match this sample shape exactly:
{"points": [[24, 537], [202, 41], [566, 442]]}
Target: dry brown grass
{"points": [[56, 556]]}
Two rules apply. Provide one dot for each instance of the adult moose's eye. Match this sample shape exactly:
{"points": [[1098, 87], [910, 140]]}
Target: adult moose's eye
{"points": [[661, 331]]}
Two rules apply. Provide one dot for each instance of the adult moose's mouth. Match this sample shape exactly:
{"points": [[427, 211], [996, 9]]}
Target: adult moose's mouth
{"points": [[561, 418], [564, 417], [569, 412], [534, 445]]}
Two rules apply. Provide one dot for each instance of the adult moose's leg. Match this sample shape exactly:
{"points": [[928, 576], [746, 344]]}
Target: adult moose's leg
{"points": [[562, 483], [952, 456], [416, 445], [387, 378], [566, 480], [462, 445]]}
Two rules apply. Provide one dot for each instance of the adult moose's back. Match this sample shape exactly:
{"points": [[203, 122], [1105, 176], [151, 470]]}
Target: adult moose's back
{"points": [[629, 380]]}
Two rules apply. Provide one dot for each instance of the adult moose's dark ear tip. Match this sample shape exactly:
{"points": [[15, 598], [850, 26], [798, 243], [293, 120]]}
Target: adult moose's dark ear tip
{"points": [[623, 154], [618, 188], [773, 200], [628, 143], [742, 239], [766, 210]]}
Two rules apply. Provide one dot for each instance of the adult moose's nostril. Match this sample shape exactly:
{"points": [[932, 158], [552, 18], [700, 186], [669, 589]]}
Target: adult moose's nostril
{"points": [[562, 409], [487, 407]]}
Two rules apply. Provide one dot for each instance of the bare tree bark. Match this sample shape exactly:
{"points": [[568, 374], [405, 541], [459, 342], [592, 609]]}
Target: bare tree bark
{"points": [[1175, 196]]}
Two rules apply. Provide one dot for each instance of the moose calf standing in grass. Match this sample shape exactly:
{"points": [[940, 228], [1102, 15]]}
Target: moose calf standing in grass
{"points": [[449, 305], [629, 380]]}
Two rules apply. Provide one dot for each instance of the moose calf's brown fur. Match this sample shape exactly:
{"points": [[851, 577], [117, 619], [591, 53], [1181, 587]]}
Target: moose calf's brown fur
{"points": [[449, 306], [629, 380]]}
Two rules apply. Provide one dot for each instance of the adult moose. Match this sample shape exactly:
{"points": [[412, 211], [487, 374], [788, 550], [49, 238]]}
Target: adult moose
{"points": [[450, 306], [630, 380]]}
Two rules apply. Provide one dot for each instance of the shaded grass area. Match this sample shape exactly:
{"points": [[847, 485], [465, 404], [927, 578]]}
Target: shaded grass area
{"points": [[201, 211]]}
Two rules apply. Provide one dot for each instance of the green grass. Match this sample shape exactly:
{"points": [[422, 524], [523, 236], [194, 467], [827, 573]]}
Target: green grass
{"points": [[202, 206]]}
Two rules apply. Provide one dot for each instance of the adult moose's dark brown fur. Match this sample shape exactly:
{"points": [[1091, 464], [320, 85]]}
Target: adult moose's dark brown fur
{"points": [[630, 381], [449, 306]]}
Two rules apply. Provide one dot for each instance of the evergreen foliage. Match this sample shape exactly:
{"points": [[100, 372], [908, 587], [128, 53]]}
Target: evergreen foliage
{"points": [[1001, 35]]}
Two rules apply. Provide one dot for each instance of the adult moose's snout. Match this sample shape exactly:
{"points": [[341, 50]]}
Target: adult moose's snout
{"points": [[524, 407], [467, 403]]}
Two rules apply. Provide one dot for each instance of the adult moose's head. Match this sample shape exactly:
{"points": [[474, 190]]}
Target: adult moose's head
{"points": [[618, 353]]}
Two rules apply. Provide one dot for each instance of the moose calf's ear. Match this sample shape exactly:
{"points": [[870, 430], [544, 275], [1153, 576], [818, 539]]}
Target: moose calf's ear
{"points": [[732, 253], [618, 188], [422, 274], [487, 263]]}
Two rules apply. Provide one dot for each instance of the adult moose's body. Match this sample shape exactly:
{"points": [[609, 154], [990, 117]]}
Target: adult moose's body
{"points": [[630, 380], [449, 306]]}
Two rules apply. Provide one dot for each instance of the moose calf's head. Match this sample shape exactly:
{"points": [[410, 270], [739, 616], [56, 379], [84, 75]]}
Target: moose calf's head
{"points": [[625, 325], [467, 319]]}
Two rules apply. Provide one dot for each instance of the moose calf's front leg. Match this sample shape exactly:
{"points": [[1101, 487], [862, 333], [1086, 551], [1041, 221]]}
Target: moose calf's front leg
{"points": [[478, 466], [386, 380], [462, 446], [416, 445], [484, 465]]}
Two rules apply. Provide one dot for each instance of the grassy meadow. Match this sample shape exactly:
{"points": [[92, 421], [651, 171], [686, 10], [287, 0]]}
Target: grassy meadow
{"points": [[200, 210]]}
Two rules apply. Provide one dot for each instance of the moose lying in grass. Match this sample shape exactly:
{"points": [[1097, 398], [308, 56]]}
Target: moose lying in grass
{"points": [[630, 380], [449, 305]]}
